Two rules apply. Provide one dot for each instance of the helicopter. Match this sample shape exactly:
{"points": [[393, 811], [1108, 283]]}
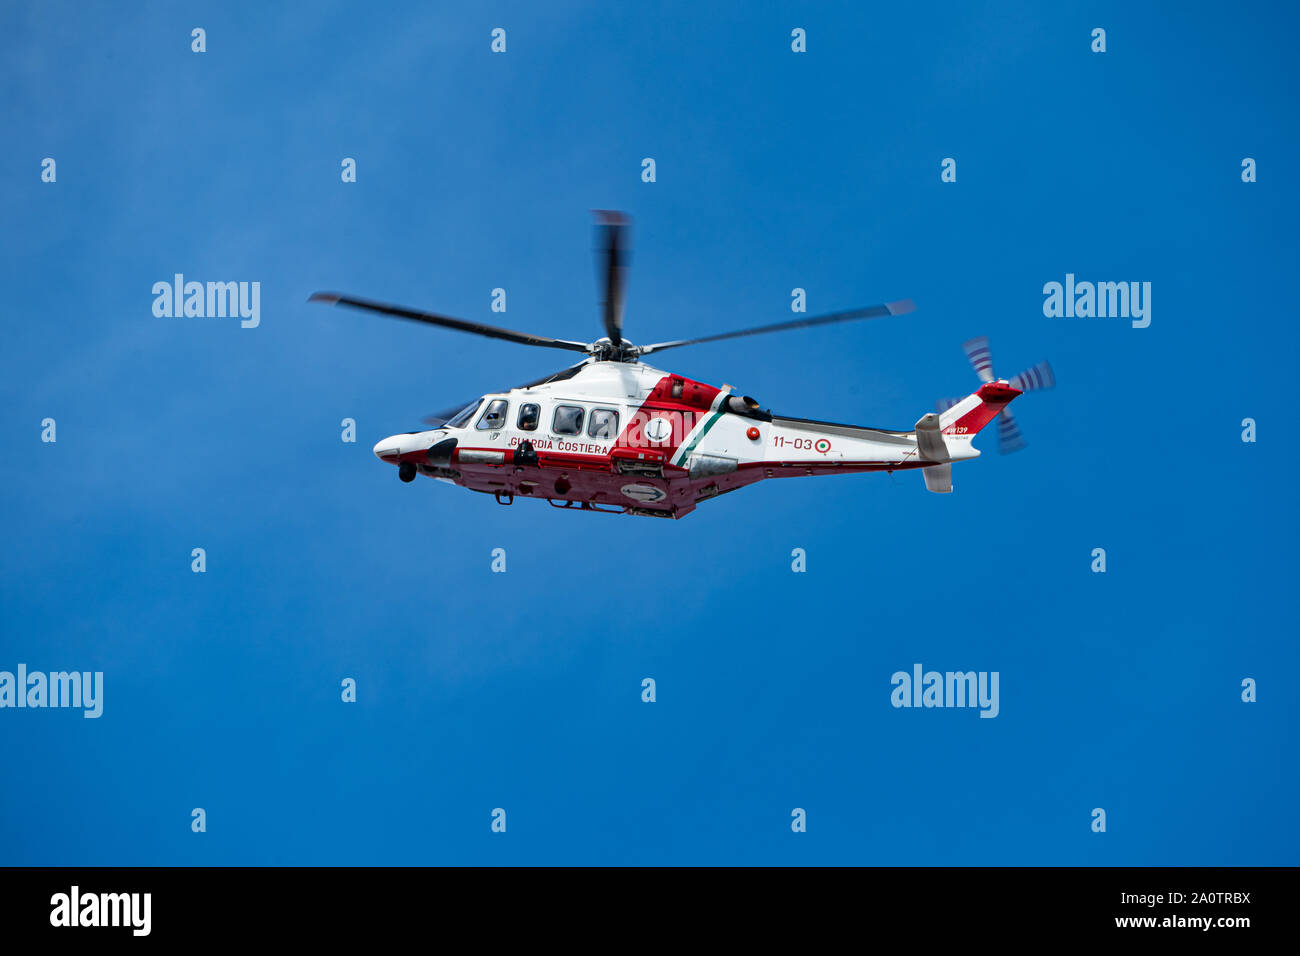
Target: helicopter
{"points": [[614, 434]]}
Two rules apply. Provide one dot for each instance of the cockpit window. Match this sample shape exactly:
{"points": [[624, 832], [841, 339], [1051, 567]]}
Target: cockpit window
{"points": [[494, 416], [603, 423], [567, 420], [462, 417], [528, 416]]}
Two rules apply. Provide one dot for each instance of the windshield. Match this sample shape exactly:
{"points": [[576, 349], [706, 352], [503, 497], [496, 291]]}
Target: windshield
{"points": [[462, 417]]}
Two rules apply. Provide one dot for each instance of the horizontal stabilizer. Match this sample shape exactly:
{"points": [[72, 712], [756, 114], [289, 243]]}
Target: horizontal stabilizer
{"points": [[938, 478]]}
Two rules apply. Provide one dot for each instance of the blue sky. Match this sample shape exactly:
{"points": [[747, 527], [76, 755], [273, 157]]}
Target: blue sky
{"points": [[521, 690]]}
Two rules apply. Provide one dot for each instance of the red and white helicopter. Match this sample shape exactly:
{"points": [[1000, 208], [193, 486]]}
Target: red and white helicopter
{"points": [[611, 433]]}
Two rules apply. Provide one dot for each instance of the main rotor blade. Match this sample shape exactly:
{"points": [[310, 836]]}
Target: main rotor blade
{"points": [[447, 322], [612, 236], [980, 356], [562, 375], [870, 312]]}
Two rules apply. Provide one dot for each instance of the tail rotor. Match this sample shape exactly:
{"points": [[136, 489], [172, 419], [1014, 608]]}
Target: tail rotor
{"points": [[1035, 378]]}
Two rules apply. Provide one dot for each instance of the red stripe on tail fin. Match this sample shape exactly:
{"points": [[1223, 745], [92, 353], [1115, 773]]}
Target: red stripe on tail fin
{"points": [[970, 416]]}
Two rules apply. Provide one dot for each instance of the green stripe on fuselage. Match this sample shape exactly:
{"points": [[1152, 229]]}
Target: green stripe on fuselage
{"points": [[704, 430]]}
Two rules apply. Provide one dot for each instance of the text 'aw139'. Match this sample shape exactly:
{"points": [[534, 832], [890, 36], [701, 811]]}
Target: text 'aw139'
{"points": [[611, 433]]}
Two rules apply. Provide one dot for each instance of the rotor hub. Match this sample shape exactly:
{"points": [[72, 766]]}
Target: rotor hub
{"points": [[604, 350]]}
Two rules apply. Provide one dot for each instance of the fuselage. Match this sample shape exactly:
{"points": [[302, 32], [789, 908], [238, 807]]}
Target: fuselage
{"points": [[624, 436]]}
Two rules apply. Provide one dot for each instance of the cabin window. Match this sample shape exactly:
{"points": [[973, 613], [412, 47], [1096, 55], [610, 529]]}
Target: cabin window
{"points": [[567, 420], [528, 416], [494, 416], [603, 423]]}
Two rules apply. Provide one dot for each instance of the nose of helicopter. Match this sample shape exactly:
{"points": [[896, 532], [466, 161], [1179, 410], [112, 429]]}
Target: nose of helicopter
{"points": [[388, 449]]}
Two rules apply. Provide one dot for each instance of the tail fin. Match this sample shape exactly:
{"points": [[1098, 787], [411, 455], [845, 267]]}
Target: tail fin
{"points": [[946, 437], [976, 410]]}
